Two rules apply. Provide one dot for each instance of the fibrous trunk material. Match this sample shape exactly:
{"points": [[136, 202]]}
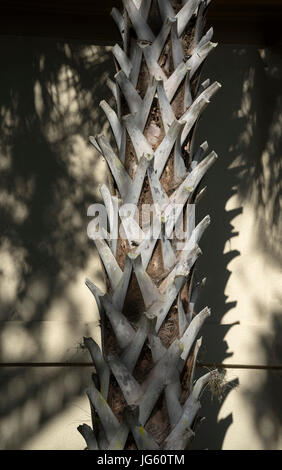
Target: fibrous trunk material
{"points": [[143, 394]]}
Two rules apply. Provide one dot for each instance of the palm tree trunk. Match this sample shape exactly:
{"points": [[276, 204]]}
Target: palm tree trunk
{"points": [[143, 394]]}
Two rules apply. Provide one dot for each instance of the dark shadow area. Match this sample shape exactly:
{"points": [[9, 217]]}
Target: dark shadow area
{"points": [[260, 146], [49, 103], [241, 126]]}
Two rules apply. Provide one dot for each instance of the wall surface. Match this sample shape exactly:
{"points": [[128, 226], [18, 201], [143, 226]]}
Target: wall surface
{"points": [[236, 21], [49, 102]]}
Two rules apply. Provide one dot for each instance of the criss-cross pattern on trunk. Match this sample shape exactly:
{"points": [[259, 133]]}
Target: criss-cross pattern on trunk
{"points": [[143, 393]]}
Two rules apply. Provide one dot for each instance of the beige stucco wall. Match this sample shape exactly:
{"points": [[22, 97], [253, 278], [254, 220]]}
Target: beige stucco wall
{"points": [[49, 97]]}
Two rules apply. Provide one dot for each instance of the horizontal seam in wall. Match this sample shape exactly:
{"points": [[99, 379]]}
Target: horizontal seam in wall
{"points": [[240, 366], [89, 364]]}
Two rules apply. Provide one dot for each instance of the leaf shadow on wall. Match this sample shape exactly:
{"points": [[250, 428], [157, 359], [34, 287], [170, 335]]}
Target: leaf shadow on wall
{"points": [[241, 125], [49, 104], [266, 392]]}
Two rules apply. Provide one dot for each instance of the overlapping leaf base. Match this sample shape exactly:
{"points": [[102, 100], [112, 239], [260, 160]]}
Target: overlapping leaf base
{"points": [[143, 394]]}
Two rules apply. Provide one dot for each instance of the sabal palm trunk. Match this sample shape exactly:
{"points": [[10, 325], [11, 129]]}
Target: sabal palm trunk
{"points": [[143, 394]]}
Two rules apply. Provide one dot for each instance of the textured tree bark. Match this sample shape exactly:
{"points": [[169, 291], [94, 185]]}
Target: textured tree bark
{"points": [[143, 394]]}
